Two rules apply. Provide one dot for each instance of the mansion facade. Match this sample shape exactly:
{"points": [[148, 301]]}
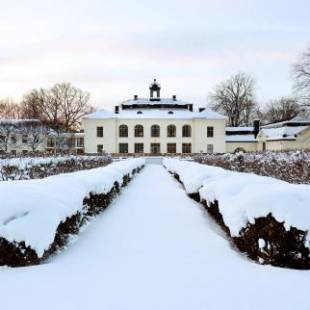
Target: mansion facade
{"points": [[154, 125], [157, 125]]}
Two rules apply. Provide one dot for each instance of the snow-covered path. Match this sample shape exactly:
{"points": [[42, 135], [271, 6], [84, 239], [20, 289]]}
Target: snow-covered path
{"points": [[153, 248]]}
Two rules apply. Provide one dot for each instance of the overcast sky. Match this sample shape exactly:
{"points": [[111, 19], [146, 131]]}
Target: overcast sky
{"points": [[115, 48]]}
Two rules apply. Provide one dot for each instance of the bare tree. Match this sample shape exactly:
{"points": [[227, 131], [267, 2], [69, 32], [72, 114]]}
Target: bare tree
{"points": [[31, 105], [302, 77], [281, 110], [235, 98], [60, 107], [73, 104], [10, 109]]}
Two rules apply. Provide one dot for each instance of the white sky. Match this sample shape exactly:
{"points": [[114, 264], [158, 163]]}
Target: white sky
{"points": [[115, 48]]}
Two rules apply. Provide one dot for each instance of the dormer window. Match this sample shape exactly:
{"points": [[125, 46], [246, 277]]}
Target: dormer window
{"points": [[139, 112]]}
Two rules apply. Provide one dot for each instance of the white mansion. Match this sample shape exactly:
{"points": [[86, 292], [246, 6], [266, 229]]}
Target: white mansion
{"points": [[158, 125], [154, 125]]}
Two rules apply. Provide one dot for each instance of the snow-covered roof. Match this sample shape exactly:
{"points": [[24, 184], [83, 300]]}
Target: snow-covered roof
{"points": [[232, 129], [282, 133], [154, 114], [297, 119], [6, 121], [241, 138], [148, 101]]}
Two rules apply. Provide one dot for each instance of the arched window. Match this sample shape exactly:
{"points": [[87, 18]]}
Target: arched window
{"points": [[171, 131], [123, 131], [187, 131], [155, 131], [138, 131]]}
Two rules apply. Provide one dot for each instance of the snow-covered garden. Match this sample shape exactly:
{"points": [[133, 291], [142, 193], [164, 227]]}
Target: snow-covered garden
{"points": [[25, 168], [290, 166], [154, 247]]}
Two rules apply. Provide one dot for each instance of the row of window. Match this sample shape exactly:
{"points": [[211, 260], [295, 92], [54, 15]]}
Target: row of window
{"points": [[14, 138], [156, 148], [155, 131]]}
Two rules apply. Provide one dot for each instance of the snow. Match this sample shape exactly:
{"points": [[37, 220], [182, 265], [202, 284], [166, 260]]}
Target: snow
{"points": [[153, 248], [261, 243], [295, 120], [233, 129], [32, 210], [154, 114], [282, 133], [6, 121], [242, 197], [24, 162]]}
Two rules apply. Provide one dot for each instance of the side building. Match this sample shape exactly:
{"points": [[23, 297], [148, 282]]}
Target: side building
{"points": [[154, 125]]}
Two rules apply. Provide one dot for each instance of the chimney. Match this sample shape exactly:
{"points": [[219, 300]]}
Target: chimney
{"points": [[135, 97], [116, 109], [174, 98], [190, 107], [201, 109], [256, 127]]}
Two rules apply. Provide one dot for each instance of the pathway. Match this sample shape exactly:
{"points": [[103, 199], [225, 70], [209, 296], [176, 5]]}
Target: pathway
{"points": [[153, 248]]}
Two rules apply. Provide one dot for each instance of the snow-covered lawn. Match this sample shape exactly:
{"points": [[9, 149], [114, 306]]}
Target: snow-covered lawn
{"points": [[153, 248]]}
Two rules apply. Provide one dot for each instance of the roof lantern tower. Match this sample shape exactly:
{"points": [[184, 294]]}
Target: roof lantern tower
{"points": [[155, 91]]}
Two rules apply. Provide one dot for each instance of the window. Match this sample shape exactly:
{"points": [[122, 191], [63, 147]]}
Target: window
{"points": [[99, 148], [80, 142], [186, 131], [25, 139], [171, 131], [24, 152], [209, 148], [171, 148], [99, 132], [123, 131], [138, 131], [139, 148], [13, 139], [123, 148], [186, 148], [210, 132], [155, 131], [155, 148]]}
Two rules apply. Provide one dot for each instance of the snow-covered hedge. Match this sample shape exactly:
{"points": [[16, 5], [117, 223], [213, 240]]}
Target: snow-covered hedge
{"points": [[25, 168], [265, 217], [290, 166], [36, 216]]}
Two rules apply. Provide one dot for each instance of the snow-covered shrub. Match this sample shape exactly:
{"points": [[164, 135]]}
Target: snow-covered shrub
{"points": [[269, 219], [37, 216], [26, 168], [290, 166]]}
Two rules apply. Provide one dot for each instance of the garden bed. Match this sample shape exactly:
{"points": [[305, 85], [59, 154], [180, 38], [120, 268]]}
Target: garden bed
{"points": [[265, 218], [289, 166], [38, 216], [26, 168]]}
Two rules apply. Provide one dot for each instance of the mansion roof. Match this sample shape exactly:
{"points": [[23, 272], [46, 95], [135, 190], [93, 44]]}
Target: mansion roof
{"points": [[155, 114], [149, 101]]}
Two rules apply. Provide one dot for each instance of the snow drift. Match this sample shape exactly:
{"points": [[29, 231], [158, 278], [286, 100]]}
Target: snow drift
{"points": [[241, 202], [32, 211]]}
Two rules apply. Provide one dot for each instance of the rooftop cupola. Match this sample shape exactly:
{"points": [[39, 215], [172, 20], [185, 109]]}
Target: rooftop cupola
{"points": [[155, 91]]}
